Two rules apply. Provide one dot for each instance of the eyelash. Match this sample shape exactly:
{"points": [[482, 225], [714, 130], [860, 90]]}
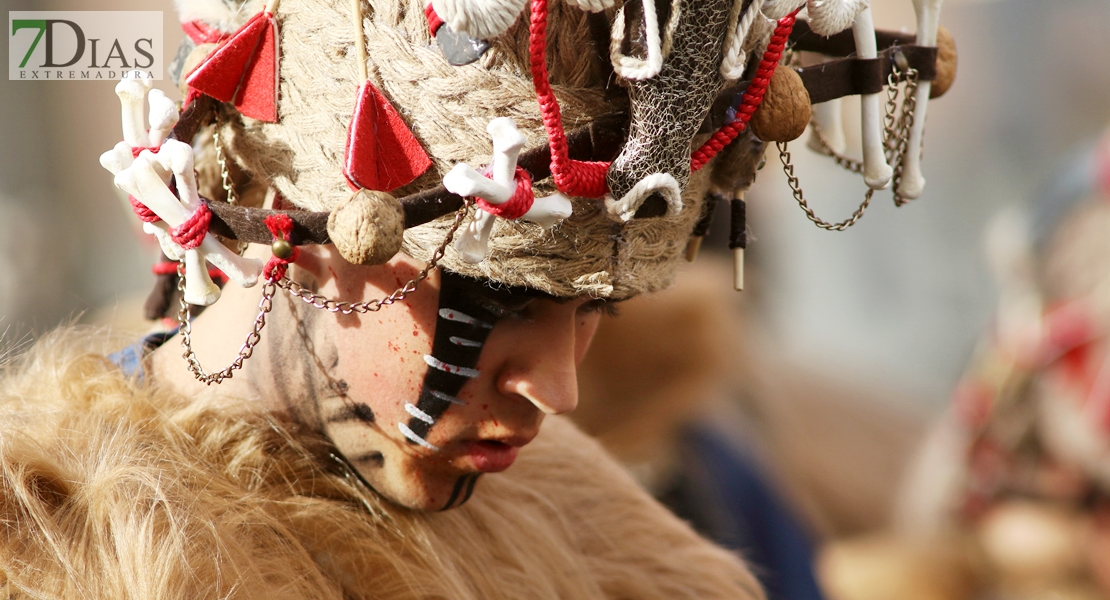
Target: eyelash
{"points": [[607, 309], [501, 311]]}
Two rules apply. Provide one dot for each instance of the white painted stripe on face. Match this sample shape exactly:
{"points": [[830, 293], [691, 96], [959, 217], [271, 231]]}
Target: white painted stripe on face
{"points": [[410, 434], [458, 341], [447, 397], [419, 414], [435, 363], [453, 315]]}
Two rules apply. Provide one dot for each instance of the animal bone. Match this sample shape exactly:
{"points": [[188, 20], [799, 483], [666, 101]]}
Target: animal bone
{"points": [[913, 182], [131, 92], [117, 159], [163, 116], [876, 171], [829, 120], [473, 242], [147, 179]]}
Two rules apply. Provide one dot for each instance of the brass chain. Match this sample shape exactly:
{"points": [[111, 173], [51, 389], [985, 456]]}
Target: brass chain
{"points": [[297, 290], [245, 351], [225, 175], [336, 306], [895, 142]]}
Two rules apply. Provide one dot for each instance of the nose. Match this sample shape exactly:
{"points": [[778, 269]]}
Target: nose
{"points": [[542, 365]]}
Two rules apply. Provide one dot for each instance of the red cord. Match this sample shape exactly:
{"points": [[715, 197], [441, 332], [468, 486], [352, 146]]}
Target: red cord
{"points": [[281, 227], [753, 96], [434, 21], [574, 177], [516, 206], [145, 214], [191, 232], [170, 268], [587, 179]]}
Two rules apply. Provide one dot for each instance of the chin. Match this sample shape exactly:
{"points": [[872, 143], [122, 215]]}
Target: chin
{"points": [[421, 483]]}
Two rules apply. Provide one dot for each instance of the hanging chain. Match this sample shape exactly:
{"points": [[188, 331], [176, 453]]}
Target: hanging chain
{"points": [[335, 306], [297, 290], [225, 174], [247, 349], [895, 142]]}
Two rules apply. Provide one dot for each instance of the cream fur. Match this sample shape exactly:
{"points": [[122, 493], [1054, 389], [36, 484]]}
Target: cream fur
{"points": [[110, 489]]}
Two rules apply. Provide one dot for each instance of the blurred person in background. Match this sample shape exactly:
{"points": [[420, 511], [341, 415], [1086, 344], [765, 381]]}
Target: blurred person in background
{"points": [[1010, 495], [764, 456]]}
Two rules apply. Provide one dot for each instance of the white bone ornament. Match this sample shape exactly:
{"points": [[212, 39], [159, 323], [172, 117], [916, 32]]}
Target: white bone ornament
{"points": [[913, 182], [147, 178], [473, 242], [876, 171]]}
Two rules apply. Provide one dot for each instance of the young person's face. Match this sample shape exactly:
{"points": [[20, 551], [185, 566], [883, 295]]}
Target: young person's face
{"points": [[424, 396]]}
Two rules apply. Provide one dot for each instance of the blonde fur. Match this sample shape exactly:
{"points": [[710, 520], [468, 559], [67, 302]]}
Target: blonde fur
{"points": [[111, 489]]}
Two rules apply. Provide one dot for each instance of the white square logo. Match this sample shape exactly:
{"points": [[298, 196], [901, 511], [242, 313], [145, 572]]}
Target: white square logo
{"points": [[84, 45]]}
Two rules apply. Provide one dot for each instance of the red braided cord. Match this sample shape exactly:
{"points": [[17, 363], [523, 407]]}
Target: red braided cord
{"points": [[516, 206], [170, 268], [753, 96], [574, 177], [136, 150], [191, 232], [281, 227], [145, 214], [434, 21]]}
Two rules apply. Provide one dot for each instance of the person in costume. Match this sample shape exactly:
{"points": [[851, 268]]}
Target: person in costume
{"points": [[433, 248]]}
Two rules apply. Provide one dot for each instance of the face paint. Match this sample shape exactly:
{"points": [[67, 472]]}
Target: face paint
{"points": [[466, 317]]}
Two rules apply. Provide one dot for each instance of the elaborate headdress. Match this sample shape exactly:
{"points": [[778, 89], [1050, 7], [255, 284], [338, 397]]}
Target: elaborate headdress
{"points": [[575, 150]]}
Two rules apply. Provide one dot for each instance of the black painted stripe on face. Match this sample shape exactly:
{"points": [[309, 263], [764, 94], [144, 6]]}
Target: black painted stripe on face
{"points": [[459, 483], [470, 488], [462, 315]]}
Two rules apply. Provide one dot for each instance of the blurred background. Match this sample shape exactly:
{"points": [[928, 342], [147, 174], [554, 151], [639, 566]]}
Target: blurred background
{"points": [[847, 346]]}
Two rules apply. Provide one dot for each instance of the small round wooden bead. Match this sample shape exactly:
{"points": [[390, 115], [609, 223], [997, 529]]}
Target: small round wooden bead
{"points": [[282, 249]]}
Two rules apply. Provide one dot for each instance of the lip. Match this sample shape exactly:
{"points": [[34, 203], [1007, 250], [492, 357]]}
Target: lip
{"points": [[491, 456]]}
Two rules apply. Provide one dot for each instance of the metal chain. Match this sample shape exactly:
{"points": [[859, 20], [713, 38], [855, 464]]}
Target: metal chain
{"points": [[245, 351], [335, 306], [900, 140], [895, 143], [792, 181], [225, 175], [299, 291]]}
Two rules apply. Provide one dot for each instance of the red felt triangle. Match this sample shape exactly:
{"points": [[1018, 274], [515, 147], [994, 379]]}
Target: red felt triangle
{"points": [[382, 154], [244, 69]]}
